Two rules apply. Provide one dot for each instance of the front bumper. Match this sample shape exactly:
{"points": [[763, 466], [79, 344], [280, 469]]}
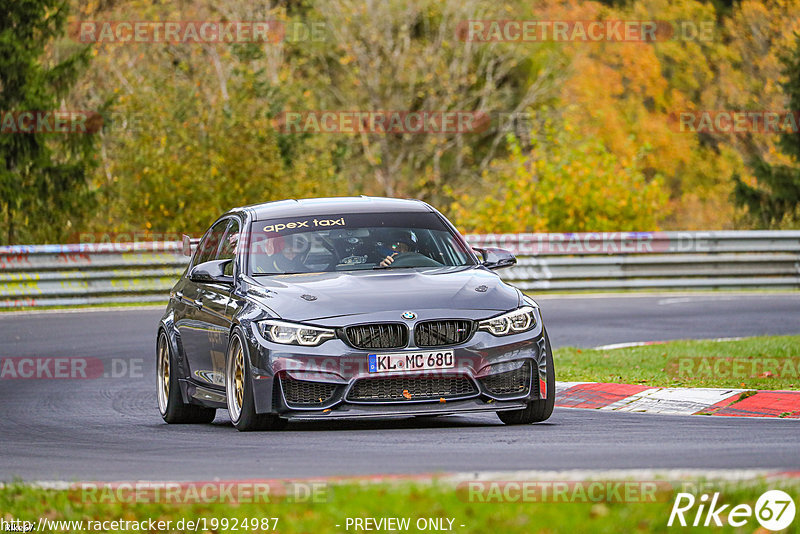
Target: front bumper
{"points": [[333, 380]]}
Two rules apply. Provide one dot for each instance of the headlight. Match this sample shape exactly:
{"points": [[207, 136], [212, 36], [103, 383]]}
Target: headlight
{"points": [[514, 322], [295, 334]]}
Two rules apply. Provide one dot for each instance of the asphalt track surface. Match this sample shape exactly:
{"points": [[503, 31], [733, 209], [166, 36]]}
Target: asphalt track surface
{"points": [[109, 428]]}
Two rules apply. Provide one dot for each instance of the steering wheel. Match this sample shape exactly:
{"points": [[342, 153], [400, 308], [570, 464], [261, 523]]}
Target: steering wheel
{"points": [[334, 254], [305, 250], [414, 259]]}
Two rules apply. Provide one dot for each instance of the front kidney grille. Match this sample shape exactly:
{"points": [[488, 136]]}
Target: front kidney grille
{"points": [[306, 394], [510, 383], [410, 388], [439, 333], [377, 336]]}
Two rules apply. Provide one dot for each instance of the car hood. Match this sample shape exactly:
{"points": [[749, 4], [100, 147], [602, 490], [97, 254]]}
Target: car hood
{"points": [[475, 292]]}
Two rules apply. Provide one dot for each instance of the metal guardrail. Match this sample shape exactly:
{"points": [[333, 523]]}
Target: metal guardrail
{"points": [[650, 260], [73, 275], [70, 275]]}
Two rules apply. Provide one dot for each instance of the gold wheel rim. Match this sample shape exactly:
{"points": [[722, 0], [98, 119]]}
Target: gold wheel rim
{"points": [[163, 374], [238, 377], [235, 380], [166, 377]]}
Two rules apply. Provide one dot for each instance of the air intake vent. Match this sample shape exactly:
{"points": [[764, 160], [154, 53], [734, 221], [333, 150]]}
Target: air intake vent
{"points": [[306, 394], [511, 383], [411, 388]]}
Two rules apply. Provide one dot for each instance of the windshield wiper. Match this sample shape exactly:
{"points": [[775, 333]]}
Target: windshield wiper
{"points": [[398, 267]]}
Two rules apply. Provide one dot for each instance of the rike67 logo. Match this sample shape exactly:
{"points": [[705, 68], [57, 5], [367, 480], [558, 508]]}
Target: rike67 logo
{"points": [[774, 510]]}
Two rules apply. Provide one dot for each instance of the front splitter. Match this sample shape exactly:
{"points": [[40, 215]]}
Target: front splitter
{"points": [[347, 411]]}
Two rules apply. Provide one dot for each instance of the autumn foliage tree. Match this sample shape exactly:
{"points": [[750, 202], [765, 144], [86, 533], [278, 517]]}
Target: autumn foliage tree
{"points": [[193, 131], [564, 182], [400, 55], [592, 144]]}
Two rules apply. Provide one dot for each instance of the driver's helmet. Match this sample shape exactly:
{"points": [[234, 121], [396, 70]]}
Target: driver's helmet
{"points": [[288, 254], [407, 237]]}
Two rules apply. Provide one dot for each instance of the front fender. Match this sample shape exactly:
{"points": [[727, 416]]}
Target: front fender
{"points": [[263, 386], [167, 324]]}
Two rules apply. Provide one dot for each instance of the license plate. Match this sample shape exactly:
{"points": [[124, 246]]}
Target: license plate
{"points": [[411, 361]]}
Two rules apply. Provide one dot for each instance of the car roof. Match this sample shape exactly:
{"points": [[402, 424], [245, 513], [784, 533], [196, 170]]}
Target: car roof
{"points": [[334, 205]]}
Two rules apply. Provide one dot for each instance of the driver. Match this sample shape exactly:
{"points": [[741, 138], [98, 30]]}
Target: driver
{"points": [[402, 241], [287, 254]]}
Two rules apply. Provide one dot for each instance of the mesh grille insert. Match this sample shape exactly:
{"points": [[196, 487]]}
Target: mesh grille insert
{"points": [[516, 382], [411, 388], [438, 333], [305, 393], [377, 336]]}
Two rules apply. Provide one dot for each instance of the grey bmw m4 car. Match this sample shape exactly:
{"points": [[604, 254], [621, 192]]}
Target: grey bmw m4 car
{"points": [[347, 307]]}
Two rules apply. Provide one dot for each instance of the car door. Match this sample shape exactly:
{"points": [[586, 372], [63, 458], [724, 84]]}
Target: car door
{"points": [[193, 325], [214, 312]]}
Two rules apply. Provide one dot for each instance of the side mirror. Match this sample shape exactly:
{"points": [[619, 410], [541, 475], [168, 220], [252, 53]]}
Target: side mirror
{"points": [[496, 258], [211, 272]]}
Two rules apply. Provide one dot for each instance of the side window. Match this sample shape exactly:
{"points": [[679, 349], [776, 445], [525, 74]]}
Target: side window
{"points": [[229, 244], [207, 250]]}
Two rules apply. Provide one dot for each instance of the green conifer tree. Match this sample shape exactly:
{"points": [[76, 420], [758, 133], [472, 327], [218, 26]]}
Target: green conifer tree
{"points": [[775, 200], [43, 176]]}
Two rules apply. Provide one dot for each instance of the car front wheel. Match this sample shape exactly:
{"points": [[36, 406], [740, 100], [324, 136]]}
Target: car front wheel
{"points": [[239, 392], [537, 410]]}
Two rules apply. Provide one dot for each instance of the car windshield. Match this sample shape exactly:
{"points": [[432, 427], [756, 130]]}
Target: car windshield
{"points": [[353, 242]]}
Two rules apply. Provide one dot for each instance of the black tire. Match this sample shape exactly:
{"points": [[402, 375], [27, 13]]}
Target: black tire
{"points": [[537, 410], [170, 404], [239, 391]]}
